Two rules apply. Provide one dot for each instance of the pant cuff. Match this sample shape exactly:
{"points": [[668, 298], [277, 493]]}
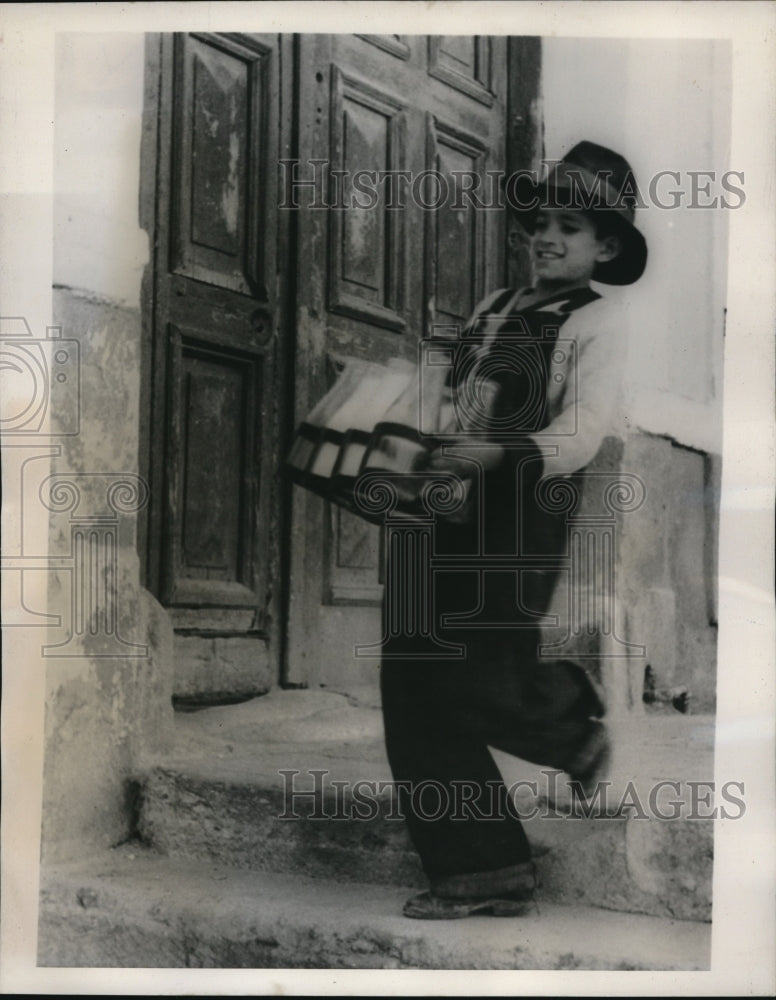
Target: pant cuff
{"points": [[513, 879]]}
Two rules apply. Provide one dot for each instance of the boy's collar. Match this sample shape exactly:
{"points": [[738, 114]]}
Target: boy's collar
{"points": [[559, 302]]}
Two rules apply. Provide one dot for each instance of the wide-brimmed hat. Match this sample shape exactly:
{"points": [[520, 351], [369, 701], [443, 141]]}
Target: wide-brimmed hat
{"points": [[592, 178]]}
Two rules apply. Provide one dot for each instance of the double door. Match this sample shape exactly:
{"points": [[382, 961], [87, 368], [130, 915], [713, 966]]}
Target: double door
{"points": [[310, 204]]}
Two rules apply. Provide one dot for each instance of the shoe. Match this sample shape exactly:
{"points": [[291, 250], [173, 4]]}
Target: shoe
{"points": [[429, 906], [504, 892]]}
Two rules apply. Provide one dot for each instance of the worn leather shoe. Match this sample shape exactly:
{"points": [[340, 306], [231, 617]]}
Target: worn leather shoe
{"points": [[505, 892], [429, 906]]}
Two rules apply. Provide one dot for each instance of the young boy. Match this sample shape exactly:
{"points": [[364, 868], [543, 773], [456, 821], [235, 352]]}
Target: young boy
{"points": [[555, 398]]}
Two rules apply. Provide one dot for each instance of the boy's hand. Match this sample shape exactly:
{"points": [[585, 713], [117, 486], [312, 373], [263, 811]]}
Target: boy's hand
{"points": [[461, 457]]}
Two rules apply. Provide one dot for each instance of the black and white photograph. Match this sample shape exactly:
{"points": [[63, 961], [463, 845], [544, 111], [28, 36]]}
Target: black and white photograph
{"points": [[387, 449]]}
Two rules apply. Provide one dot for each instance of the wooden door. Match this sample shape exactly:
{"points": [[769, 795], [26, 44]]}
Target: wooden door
{"points": [[371, 281], [212, 358]]}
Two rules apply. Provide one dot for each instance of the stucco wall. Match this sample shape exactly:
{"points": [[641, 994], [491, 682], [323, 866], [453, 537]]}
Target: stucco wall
{"points": [[98, 244], [667, 554], [655, 606], [109, 666], [665, 105]]}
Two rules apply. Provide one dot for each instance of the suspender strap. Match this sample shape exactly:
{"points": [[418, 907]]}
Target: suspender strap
{"points": [[580, 297], [498, 304], [573, 300]]}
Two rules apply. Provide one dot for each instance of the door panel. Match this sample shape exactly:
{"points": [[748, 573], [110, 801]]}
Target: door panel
{"points": [[220, 182], [213, 435], [371, 281], [365, 281], [353, 560], [215, 399], [396, 45], [366, 247], [455, 234], [463, 62]]}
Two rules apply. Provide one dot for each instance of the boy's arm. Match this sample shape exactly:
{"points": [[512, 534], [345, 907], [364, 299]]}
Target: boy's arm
{"points": [[592, 379], [592, 387]]}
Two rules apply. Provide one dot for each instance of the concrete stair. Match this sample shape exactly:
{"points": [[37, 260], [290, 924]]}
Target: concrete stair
{"points": [[209, 812], [132, 907]]}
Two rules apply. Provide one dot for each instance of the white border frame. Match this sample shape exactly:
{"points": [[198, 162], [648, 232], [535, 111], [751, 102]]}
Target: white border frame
{"points": [[744, 927]]}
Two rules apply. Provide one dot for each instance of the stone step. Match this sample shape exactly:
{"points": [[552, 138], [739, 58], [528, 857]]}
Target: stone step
{"points": [[134, 908], [220, 797]]}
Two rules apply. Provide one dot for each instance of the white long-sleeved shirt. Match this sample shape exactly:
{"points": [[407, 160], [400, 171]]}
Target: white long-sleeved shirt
{"points": [[584, 385]]}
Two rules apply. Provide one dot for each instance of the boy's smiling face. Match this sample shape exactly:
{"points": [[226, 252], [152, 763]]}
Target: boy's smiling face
{"points": [[566, 248]]}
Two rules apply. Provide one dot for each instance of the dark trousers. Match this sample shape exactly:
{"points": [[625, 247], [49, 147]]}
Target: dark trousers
{"points": [[442, 715]]}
